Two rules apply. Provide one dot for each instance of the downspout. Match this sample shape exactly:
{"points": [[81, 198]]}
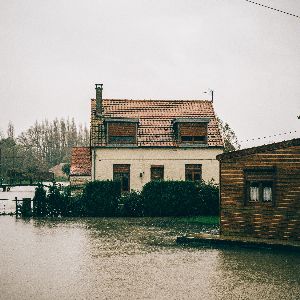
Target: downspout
{"points": [[94, 164], [220, 197]]}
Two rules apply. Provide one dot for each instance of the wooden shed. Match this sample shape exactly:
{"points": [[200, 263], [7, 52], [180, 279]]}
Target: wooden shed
{"points": [[260, 191]]}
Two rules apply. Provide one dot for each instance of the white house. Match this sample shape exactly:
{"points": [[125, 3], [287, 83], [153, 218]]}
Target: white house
{"points": [[136, 141]]}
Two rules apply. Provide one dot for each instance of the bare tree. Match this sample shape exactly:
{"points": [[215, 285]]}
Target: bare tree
{"points": [[230, 139], [10, 130]]}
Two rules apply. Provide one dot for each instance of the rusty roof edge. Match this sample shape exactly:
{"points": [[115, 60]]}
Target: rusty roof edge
{"points": [[192, 119], [121, 119], [259, 149], [158, 146], [127, 99]]}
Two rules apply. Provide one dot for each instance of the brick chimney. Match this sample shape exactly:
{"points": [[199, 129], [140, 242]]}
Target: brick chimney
{"points": [[99, 89]]}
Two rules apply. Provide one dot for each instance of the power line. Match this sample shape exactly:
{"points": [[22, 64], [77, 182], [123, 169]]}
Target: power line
{"points": [[268, 136], [269, 7]]}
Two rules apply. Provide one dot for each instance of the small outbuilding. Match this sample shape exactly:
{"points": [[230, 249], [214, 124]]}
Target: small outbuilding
{"points": [[58, 171], [260, 191], [80, 171]]}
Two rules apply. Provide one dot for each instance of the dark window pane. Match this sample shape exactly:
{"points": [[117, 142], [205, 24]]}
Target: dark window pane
{"points": [[125, 182], [122, 174], [193, 172], [187, 138], [197, 176], [189, 176], [121, 139], [157, 172], [199, 138], [193, 139]]}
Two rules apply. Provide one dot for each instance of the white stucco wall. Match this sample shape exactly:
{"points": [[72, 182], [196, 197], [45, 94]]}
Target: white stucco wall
{"points": [[141, 159]]}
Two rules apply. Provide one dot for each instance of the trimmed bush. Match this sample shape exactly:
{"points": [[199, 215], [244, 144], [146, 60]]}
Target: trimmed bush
{"points": [[180, 198], [100, 198], [72, 206], [169, 198], [131, 205], [209, 204]]}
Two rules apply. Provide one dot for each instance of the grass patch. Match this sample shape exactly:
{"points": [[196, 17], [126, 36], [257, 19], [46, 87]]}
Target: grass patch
{"points": [[207, 220]]}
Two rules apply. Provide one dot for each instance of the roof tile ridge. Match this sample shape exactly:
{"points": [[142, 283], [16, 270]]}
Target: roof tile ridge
{"points": [[166, 100]]}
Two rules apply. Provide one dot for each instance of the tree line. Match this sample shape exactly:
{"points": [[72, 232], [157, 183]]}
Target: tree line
{"points": [[40, 147]]}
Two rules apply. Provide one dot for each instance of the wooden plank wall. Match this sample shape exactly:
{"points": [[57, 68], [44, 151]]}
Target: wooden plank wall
{"points": [[281, 221]]}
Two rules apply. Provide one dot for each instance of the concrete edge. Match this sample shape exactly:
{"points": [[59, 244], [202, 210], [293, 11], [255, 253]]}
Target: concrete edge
{"points": [[215, 241]]}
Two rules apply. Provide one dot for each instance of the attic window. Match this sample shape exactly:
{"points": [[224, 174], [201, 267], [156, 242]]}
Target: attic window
{"points": [[121, 131], [191, 131]]}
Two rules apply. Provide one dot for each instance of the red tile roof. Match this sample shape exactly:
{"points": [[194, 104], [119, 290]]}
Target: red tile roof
{"points": [[81, 163], [156, 117]]}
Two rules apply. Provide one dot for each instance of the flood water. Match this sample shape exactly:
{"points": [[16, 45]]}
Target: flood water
{"points": [[122, 258]]}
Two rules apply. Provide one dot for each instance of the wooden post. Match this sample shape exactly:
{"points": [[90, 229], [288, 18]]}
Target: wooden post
{"points": [[16, 200]]}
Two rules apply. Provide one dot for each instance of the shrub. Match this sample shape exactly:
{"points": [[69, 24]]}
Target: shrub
{"points": [[100, 198], [131, 205], [66, 169], [180, 198], [72, 206], [55, 203], [169, 198], [208, 199], [39, 202]]}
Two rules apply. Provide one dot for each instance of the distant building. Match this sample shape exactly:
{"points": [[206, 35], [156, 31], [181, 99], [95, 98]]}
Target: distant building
{"points": [[260, 191], [136, 141], [58, 172], [80, 171]]}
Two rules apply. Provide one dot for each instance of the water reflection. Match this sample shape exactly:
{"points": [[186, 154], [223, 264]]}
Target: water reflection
{"points": [[134, 259]]}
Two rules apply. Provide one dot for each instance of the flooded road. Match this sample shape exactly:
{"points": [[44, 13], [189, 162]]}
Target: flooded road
{"points": [[122, 258]]}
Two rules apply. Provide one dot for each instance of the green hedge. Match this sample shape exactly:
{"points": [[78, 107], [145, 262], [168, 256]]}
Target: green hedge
{"points": [[131, 205], [40, 202], [100, 198], [179, 198], [168, 198], [209, 204], [104, 199]]}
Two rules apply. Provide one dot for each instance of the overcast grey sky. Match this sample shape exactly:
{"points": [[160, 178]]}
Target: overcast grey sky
{"points": [[53, 52]]}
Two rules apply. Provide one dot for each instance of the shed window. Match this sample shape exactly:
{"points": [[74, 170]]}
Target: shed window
{"points": [[254, 192], [267, 193], [157, 172], [193, 172], [260, 185], [121, 133], [122, 173]]}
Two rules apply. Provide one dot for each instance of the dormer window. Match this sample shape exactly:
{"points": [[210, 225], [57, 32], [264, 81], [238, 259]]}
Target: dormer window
{"points": [[121, 131], [191, 131]]}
